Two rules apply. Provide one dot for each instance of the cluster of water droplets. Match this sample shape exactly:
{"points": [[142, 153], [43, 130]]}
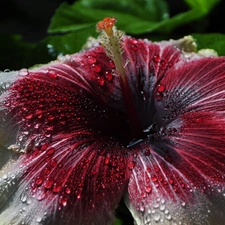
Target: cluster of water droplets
{"points": [[102, 67]]}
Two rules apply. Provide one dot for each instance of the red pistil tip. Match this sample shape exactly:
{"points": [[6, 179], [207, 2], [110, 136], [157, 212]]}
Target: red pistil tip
{"points": [[107, 25]]}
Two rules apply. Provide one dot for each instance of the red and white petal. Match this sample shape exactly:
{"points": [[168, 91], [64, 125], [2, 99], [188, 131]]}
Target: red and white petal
{"points": [[179, 176], [71, 169], [165, 191], [75, 179]]}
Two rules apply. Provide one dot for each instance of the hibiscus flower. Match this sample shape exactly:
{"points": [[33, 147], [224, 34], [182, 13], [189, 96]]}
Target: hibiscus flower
{"points": [[124, 118]]}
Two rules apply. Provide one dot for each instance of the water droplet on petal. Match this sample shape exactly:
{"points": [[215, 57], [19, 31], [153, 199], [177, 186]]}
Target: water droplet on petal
{"points": [[23, 72], [50, 151], [168, 217], [68, 191], [154, 178], [111, 64], [39, 181], [57, 187], [52, 74], [107, 159], [156, 217], [23, 198], [108, 75], [156, 58], [91, 59], [40, 195], [183, 204], [160, 88], [148, 189], [96, 67], [49, 182], [29, 116], [162, 207], [147, 152], [131, 165], [142, 207], [101, 81], [39, 219], [64, 201]]}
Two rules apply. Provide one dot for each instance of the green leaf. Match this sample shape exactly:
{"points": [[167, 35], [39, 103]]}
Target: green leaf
{"points": [[203, 5], [134, 17], [213, 41], [13, 51], [54, 45], [88, 12], [118, 222]]}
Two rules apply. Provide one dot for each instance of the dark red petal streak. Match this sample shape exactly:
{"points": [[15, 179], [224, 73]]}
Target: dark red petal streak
{"points": [[147, 63]]}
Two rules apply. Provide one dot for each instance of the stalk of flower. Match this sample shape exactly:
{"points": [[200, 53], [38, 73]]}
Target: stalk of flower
{"points": [[124, 119]]}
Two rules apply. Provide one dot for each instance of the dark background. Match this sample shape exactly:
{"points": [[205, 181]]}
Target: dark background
{"points": [[31, 18]]}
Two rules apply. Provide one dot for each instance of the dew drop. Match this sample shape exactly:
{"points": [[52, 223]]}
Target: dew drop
{"points": [[64, 201], [160, 88], [154, 178], [131, 165], [5, 176], [78, 196], [57, 188], [52, 74], [91, 59], [23, 198], [23, 72], [168, 217], [148, 189], [162, 207], [158, 96], [156, 217], [183, 204], [101, 81], [156, 58], [147, 152], [68, 191], [40, 195], [39, 219], [107, 159], [141, 207], [108, 75], [39, 181], [143, 95], [29, 116], [37, 125], [96, 67], [171, 181], [111, 64], [48, 184], [50, 151], [156, 205]]}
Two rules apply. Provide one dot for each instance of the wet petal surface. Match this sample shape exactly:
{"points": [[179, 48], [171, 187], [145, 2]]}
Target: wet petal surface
{"points": [[179, 177], [72, 149]]}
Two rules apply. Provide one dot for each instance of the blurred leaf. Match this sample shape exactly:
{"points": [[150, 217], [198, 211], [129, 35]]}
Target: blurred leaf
{"points": [[213, 41], [88, 12], [134, 17], [118, 222], [55, 45], [13, 51]]}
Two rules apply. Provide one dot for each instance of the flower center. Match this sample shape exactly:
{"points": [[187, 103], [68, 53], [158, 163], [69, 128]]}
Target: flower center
{"points": [[112, 40]]}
